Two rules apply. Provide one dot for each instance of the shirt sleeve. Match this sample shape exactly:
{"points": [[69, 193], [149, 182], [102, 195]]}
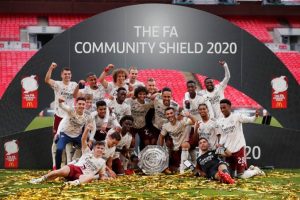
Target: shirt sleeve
{"points": [[245, 119], [86, 150], [164, 130], [115, 122], [224, 82], [128, 143], [210, 109], [93, 131], [65, 107], [128, 110], [55, 85]]}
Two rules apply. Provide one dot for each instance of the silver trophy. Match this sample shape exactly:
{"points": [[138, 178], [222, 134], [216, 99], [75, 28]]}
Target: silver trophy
{"points": [[153, 159]]}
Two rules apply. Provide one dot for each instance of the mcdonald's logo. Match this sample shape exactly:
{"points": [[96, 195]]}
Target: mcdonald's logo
{"points": [[29, 104], [279, 104], [11, 164]]}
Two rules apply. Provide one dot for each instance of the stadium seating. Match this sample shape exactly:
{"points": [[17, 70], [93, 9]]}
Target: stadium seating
{"points": [[10, 64], [173, 79], [66, 21], [10, 25], [256, 26], [243, 101], [291, 59], [170, 78], [294, 22]]}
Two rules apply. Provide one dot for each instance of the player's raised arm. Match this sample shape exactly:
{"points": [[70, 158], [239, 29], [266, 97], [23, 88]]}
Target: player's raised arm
{"points": [[76, 92], [192, 120], [224, 82], [210, 109], [104, 74], [48, 79], [86, 131], [63, 106], [246, 119]]}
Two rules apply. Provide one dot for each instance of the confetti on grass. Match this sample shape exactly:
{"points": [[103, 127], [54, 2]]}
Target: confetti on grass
{"points": [[278, 184]]}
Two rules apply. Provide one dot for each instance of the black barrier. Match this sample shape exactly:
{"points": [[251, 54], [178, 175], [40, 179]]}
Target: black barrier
{"points": [[34, 149], [266, 146]]}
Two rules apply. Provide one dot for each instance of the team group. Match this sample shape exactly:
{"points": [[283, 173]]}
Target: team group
{"points": [[99, 126]]}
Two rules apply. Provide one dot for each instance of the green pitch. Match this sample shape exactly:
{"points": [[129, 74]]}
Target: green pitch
{"points": [[278, 184], [42, 122]]}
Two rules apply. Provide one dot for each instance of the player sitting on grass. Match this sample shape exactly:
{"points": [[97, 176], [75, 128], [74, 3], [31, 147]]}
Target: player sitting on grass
{"points": [[83, 171], [210, 165]]}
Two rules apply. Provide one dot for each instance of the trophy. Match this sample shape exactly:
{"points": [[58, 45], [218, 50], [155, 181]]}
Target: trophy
{"points": [[153, 159]]}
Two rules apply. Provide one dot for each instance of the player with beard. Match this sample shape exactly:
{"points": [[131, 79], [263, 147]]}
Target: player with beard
{"points": [[206, 128], [180, 137], [63, 88], [82, 171], [162, 101], [119, 78], [210, 165], [139, 108], [132, 81], [93, 88], [152, 89], [233, 139], [118, 105], [216, 92]]}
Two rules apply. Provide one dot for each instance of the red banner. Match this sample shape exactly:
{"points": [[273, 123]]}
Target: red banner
{"points": [[279, 92], [11, 154], [29, 92]]}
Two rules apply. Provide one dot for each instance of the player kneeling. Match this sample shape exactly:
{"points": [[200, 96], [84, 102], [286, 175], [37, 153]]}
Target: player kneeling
{"points": [[83, 171], [210, 165]]}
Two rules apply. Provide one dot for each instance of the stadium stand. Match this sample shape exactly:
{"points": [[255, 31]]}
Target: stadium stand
{"points": [[12, 61], [10, 25], [173, 79], [291, 60], [66, 21], [10, 64], [231, 93], [294, 22], [256, 26]]}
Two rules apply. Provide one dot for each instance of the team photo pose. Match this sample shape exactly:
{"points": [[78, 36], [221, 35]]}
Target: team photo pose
{"points": [[92, 88], [233, 140], [215, 93], [119, 80], [179, 136], [84, 170], [211, 165]]}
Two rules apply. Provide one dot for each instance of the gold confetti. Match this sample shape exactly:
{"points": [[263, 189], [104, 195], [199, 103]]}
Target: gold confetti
{"points": [[278, 184]]}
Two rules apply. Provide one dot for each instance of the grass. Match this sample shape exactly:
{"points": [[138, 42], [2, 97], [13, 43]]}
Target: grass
{"points": [[42, 122], [278, 184]]}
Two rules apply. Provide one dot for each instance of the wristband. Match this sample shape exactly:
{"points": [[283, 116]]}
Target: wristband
{"points": [[106, 69]]}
